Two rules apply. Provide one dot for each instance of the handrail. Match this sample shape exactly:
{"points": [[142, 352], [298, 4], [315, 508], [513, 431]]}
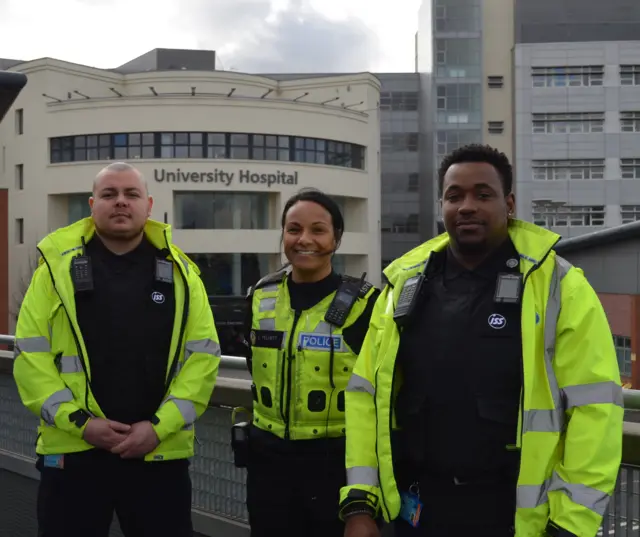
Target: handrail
{"points": [[631, 397]]}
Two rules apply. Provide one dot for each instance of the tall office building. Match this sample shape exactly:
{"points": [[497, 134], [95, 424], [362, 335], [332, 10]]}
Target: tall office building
{"points": [[464, 60], [577, 110], [553, 84]]}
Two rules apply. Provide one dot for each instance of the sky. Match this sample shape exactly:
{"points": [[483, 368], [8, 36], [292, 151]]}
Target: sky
{"points": [[248, 35]]}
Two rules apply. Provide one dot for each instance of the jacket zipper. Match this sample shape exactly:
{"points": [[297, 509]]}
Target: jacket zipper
{"points": [[73, 333], [286, 412]]}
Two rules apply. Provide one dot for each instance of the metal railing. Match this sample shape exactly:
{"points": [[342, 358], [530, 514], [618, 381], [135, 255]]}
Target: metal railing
{"points": [[219, 487]]}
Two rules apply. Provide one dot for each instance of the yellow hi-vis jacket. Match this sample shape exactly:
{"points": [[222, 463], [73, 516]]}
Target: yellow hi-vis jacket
{"points": [[300, 380], [571, 413], [52, 369]]}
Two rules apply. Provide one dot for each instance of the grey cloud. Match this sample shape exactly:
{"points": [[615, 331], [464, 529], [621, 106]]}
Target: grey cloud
{"points": [[299, 40]]}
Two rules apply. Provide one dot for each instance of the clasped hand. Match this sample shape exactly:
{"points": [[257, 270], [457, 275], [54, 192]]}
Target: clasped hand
{"points": [[128, 441]]}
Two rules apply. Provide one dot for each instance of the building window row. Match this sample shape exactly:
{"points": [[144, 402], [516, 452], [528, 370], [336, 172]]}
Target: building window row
{"points": [[205, 145], [561, 77], [556, 215], [568, 123], [630, 121], [581, 76], [400, 223], [400, 141], [398, 101], [394, 183], [563, 170]]}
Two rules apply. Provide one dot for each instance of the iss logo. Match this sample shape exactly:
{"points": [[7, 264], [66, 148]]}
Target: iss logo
{"points": [[497, 321], [320, 342], [157, 297]]}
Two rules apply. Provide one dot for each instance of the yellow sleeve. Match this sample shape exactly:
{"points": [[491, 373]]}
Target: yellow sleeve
{"points": [[193, 383], [40, 386], [362, 491], [588, 376]]}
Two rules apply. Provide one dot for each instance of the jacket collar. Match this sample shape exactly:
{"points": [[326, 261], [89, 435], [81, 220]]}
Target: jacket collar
{"points": [[533, 243]]}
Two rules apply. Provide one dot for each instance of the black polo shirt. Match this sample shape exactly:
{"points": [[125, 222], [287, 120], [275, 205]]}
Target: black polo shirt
{"points": [[126, 322]]}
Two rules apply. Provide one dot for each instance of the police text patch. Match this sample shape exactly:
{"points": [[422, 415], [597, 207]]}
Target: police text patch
{"points": [[319, 342]]}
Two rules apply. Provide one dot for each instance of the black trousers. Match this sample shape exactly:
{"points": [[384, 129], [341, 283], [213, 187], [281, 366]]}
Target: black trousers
{"points": [[151, 499], [295, 489]]}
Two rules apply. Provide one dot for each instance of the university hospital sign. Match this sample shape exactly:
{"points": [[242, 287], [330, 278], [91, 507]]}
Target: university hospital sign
{"points": [[226, 178]]}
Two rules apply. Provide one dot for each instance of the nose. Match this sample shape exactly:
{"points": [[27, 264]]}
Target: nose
{"points": [[304, 238], [121, 200], [468, 205]]}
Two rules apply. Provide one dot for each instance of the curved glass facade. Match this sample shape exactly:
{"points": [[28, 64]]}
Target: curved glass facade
{"points": [[205, 145]]}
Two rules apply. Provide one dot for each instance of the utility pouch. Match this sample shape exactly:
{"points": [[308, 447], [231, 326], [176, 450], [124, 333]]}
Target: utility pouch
{"points": [[240, 441]]}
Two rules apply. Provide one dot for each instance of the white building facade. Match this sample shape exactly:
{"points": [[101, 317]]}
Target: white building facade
{"points": [[222, 152]]}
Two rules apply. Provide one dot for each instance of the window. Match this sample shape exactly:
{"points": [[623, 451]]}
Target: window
{"points": [[400, 141], [212, 145], [555, 214], [623, 350], [630, 75], [270, 147], [20, 121], [78, 207], [571, 123], [496, 127], [630, 121], [230, 274], [630, 213], [460, 17], [562, 77], [393, 183], [495, 82], [448, 141], [221, 210], [19, 230], [630, 168], [400, 223], [399, 100], [458, 57], [19, 176], [563, 170], [458, 103]]}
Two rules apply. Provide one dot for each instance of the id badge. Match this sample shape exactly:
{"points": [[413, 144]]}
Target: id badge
{"points": [[411, 508], [53, 461]]}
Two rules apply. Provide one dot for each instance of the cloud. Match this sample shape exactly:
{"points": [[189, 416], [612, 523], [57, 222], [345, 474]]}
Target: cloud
{"points": [[259, 36]]}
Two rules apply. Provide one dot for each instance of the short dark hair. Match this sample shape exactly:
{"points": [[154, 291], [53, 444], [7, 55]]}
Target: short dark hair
{"points": [[322, 199], [479, 153]]}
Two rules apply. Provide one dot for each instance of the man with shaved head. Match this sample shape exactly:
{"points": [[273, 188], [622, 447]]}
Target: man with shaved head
{"points": [[117, 353]]}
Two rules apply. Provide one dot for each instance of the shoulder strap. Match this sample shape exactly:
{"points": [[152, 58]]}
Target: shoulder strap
{"points": [[274, 277]]}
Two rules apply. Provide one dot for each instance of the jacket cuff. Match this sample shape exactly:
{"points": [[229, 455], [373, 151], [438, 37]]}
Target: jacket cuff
{"points": [[553, 530], [358, 502]]}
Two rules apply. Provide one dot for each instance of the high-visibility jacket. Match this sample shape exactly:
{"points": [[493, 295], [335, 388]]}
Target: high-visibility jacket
{"points": [[299, 383], [52, 369], [571, 410]]}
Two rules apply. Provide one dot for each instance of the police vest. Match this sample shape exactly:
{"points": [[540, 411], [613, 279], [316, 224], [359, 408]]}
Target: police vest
{"points": [[301, 364]]}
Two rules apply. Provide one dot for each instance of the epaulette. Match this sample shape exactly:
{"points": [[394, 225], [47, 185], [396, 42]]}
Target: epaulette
{"points": [[365, 286], [274, 277]]}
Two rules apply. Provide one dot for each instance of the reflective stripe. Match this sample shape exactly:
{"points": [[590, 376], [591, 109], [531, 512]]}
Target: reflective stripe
{"points": [[363, 475], [205, 346], [270, 288], [593, 394], [267, 304], [52, 404], [360, 384], [186, 408], [186, 264], [189, 427], [550, 420], [532, 496], [33, 344], [268, 324], [70, 364], [323, 328]]}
